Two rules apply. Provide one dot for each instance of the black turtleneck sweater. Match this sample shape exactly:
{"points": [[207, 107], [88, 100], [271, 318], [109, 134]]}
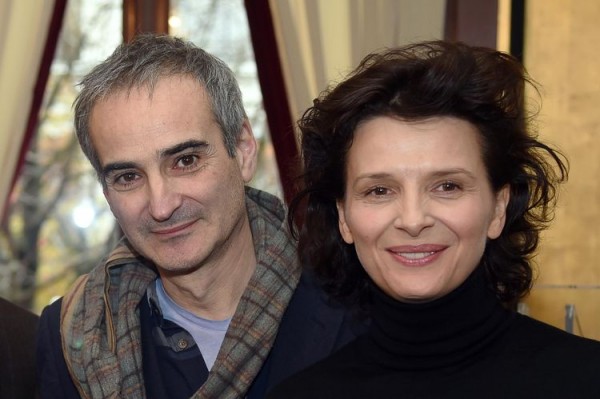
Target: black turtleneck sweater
{"points": [[464, 345]]}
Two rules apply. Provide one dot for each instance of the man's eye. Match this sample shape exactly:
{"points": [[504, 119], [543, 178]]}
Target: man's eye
{"points": [[126, 178], [124, 181], [187, 161]]}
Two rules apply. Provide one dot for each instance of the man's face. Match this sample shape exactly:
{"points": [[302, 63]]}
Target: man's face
{"points": [[174, 189]]}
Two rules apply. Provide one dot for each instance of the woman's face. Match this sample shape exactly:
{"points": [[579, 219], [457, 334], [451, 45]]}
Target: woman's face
{"points": [[418, 205]]}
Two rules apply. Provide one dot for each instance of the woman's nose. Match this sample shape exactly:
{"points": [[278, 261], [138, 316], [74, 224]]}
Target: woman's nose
{"points": [[412, 214]]}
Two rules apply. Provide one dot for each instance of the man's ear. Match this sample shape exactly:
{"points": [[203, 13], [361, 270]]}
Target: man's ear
{"points": [[343, 226], [499, 218], [247, 152]]}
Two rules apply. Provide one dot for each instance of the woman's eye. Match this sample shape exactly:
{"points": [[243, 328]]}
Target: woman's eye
{"points": [[448, 186], [378, 191]]}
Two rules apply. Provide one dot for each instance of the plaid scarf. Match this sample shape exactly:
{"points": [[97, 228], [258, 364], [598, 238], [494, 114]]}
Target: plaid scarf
{"points": [[100, 325]]}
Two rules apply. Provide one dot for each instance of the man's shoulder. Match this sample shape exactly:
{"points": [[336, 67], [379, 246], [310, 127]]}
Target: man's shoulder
{"points": [[53, 308], [311, 303], [48, 341], [50, 319], [312, 328], [53, 375]]}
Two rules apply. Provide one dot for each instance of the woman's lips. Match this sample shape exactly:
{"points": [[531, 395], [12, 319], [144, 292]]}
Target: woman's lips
{"points": [[417, 255]]}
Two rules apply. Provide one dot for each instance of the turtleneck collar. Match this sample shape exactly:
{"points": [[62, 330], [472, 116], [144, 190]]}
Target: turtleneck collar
{"points": [[445, 332]]}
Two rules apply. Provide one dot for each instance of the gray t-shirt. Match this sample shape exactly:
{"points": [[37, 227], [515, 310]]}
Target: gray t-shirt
{"points": [[208, 334]]}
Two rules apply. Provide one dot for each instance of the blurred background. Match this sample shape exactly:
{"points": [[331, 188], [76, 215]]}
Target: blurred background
{"points": [[55, 224]]}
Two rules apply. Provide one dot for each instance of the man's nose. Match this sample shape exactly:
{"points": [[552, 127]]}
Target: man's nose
{"points": [[164, 199]]}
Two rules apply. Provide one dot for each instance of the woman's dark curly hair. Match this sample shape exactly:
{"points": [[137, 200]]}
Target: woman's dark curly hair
{"points": [[482, 86]]}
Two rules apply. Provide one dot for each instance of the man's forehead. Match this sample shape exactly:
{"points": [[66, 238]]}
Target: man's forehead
{"points": [[147, 86]]}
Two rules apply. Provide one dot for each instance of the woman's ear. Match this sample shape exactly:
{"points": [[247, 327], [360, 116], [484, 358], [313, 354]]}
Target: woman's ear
{"points": [[499, 218], [343, 226]]}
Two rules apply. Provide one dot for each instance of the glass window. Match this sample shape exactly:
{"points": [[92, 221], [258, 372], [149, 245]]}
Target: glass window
{"points": [[58, 224]]}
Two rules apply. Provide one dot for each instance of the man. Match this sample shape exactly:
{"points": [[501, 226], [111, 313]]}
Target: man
{"points": [[17, 342], [204, 296]]}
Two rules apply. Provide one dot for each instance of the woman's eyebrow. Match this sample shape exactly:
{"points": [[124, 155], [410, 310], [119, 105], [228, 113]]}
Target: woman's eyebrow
{"points": [[453, 171]]}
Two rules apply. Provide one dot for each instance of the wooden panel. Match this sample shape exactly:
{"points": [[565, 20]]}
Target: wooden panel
{"points": [[560, 53]]}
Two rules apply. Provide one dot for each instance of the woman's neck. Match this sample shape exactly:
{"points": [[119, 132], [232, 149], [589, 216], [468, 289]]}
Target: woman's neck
{"points": [[443, 332]]}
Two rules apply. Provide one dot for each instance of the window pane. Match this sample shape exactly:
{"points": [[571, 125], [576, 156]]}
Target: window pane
{"points": [[58, 223], [221, 28]]}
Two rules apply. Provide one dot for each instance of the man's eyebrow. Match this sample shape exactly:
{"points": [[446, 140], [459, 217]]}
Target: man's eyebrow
{"points": [[176, 149]]}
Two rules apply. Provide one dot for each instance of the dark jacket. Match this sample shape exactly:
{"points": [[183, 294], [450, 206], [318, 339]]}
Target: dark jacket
{"points": [[311, 329], [17, 351]]}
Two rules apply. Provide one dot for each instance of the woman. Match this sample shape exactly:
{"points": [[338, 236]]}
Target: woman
{"points": [[424, 196]]}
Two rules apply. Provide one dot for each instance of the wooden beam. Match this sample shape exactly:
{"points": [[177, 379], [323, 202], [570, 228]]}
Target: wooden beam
{"points": [[474, 22], [144, 16]]}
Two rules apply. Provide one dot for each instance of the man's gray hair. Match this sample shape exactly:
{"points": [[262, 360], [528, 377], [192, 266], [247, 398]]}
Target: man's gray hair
{"points": [[145, 60]]}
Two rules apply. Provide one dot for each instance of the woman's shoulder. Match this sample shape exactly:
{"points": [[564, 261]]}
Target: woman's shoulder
{"points": [[545, 344], [551, 362], [541, 333]]}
